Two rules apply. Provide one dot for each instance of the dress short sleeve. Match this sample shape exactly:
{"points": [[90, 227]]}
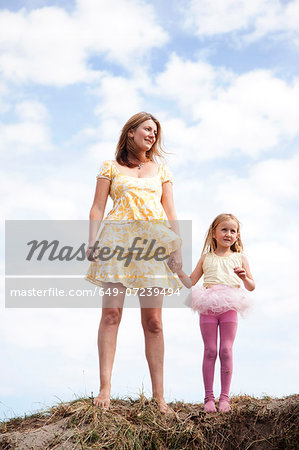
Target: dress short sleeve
{"points": [[166, 174], [105, 170]]}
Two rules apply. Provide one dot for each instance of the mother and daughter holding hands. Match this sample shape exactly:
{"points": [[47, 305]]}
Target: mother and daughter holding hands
{"points": [[141, 190]]}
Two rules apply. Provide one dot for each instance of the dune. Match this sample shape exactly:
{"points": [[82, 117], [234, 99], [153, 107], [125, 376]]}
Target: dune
{"points": [[255, 423]]}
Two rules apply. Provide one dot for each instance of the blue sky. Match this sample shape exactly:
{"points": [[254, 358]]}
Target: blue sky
{"points": [[222, 77]]}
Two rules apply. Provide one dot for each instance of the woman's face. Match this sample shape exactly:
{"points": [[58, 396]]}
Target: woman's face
{"points": [[144, 135]]}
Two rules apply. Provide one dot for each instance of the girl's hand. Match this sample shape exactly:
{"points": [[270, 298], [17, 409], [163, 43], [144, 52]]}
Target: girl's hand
{"points": [[175, 261], [245, 274], [241, 272]]}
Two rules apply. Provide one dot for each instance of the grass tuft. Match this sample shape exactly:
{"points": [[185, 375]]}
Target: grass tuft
{"points": [[252, 423]]}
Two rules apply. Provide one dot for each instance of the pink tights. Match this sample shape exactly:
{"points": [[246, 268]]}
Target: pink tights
{"points": [[227, 322]]}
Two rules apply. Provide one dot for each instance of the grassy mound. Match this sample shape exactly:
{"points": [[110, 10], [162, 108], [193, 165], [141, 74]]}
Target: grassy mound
{"points": [[137, 424]]}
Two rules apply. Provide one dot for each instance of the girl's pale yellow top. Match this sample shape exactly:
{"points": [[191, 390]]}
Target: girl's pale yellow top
{"points": [[135, 198], [220, 269]]}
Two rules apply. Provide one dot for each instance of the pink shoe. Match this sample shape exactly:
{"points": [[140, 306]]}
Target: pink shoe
{"points": [[210, 406]]}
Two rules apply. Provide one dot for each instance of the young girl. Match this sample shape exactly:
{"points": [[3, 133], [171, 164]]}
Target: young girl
{"points": [[219, 300]]}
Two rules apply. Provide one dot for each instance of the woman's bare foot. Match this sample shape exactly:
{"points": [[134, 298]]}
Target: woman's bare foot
{"points": [[102, 400], [163, 407]]}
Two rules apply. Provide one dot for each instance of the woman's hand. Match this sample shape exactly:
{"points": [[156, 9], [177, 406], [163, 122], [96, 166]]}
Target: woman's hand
{"points": [[92, 252], [187, 282], [175, 261]]}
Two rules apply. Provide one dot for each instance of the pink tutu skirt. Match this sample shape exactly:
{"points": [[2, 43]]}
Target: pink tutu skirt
{"points": [[217, 299]]}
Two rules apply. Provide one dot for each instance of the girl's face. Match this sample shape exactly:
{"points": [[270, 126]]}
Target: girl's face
{"points": [[226, 233], [144, 135]]}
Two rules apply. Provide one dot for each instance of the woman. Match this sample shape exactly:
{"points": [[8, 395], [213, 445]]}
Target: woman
{"points": [[141, 190]]}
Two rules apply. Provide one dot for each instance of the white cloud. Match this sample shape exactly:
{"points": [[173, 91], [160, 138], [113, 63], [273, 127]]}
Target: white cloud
{"points": [[3, 93], [31, 110], [199, 80], [119, 99], [267, 191], [223, 16], [279, 20], [22, 197], [31, 134], [252, 20], [24, 137], [126, 30], [225, 114], [277, 178], [102, 150], [51, 46], [41, 46]]}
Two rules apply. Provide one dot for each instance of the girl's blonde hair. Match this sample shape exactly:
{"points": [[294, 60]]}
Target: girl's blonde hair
{"points": [[210, 244], [127, 145]]}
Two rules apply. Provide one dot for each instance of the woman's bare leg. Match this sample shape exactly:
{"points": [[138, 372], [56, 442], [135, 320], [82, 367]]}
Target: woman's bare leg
{"points": [[107, 337], [151, 319]]}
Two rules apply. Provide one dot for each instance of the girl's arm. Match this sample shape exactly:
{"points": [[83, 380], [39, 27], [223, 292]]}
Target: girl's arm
{"points": [[195, 275], [245, 274], [175, 259], [97, 211]]}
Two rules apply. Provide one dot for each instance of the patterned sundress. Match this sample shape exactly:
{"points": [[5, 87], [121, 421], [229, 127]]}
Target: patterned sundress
{"points": [[137, 213]]}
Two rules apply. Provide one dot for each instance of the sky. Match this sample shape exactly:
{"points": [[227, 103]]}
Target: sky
{"points": [[222, 78]]}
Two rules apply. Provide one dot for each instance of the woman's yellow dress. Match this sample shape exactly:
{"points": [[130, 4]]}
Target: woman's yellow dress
{"points": [[137, 216]]}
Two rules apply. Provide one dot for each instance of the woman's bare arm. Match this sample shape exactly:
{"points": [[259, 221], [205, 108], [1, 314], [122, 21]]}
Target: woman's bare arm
{"points": [[168, 206], [98, 209], [175, 259]]}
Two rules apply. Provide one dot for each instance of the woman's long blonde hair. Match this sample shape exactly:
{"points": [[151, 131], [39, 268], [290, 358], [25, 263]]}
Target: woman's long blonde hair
{"points": [[126, 144], [210, 244]]}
